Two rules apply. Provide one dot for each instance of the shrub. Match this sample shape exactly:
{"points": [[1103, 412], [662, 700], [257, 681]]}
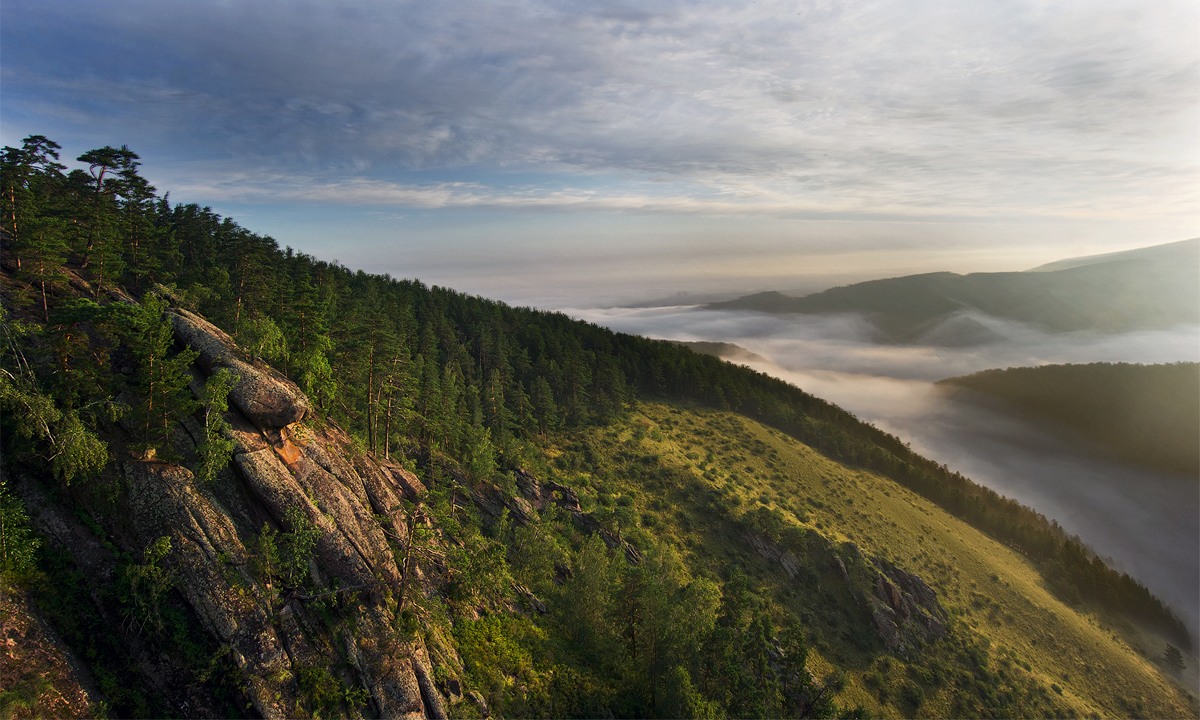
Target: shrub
{"points": [[18, 546]]}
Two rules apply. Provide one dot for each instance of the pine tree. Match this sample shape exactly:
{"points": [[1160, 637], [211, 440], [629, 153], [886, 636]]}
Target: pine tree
{"points": [[545, 410], [53, 432], [160, 378], [139, 233], [397, 388], [217, 446], [112, 173], [31, 193], [1173, 659], [479, 452], [18, 544], [249, 273], [588, 595], [495, 411]]}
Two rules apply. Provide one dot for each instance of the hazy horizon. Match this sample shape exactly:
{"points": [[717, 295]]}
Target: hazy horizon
{"points": [[553, 154]]}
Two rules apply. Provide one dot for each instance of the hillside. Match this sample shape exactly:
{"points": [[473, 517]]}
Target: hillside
{"points": [[1143, 414], [1149, 288], [730, 492], [726, 351], [241, 481], [1154, 255]]}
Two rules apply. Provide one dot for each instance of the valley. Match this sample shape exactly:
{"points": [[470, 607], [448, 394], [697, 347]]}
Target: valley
{"points": [[1108, 503]]}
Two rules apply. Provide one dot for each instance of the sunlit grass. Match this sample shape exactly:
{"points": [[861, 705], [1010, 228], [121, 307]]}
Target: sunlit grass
{"points": [[725, 467]]}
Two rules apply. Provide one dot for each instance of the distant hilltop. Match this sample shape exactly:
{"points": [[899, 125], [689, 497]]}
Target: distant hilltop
{"points": [[1144, 289], [1181, 251], [726, 351]]}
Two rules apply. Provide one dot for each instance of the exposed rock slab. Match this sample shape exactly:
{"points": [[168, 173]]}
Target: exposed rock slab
{"points": [[905, 610], [262, 393], [270, 480], [165, 501], [360, 507]]}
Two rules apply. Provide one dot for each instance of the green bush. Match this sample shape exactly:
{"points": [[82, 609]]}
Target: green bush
{"points": [[145, 586], [328, 696], [18, 545]]}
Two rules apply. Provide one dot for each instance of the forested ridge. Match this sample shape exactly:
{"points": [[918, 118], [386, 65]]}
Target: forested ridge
{"points": [[455, 386], [1143, 414]]}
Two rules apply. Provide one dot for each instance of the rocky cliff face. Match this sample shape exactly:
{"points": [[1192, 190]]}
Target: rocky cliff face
{"points": [[904, 609], [287, 560]]}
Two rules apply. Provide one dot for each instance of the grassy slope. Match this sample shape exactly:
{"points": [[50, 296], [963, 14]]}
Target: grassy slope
{"points": [[726, 466]]}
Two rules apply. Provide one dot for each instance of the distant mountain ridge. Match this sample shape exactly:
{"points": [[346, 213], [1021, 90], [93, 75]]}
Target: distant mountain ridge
{"points": [[1143, 289], [1169, 252]]}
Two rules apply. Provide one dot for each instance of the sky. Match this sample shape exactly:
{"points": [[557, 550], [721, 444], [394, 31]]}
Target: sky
{"points": [[562, 153]]}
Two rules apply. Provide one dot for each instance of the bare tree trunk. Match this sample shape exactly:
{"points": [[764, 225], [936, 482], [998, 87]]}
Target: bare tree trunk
{"points": [[387, 430], [45, 306], [12, 200], [371, 400]]}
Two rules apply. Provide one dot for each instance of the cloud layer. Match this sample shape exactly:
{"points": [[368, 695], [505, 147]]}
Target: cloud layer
{"points": [[927, 108]]}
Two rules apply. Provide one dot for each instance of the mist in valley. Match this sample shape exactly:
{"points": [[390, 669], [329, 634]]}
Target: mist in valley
{"points": [[1145, 523]]}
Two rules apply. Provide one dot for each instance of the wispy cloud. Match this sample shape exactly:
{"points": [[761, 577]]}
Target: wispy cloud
{"points": [[733, 195], [915, 105]]}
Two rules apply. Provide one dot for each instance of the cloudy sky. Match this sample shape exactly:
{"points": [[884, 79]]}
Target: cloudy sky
{"points": [[545, 151]]}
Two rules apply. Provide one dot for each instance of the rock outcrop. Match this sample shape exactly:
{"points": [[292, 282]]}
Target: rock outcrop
{"points": [[903, 610], [329, 622], [773, 552], [537, 496], [166, 501], [262, 393]]}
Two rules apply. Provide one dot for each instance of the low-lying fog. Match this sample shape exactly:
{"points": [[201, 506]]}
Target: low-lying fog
{"points": [[1145, 523]]}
